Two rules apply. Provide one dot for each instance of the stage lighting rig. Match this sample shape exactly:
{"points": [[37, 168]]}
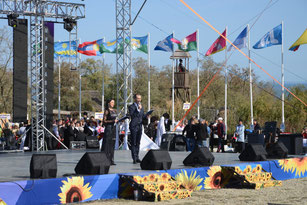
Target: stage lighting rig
{"points": [[69, 24], [12, 20]]}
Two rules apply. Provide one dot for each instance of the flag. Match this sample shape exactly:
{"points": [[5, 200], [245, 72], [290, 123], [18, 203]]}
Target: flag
{"points": [[139, 43], [110, 46], [189, 43], [165, 45], [218, 45], [61, 49], [301, 40], [240, 41], [273, 37], [90, 48]]}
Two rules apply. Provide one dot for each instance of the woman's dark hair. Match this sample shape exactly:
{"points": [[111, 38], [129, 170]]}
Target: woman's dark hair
{"points": [[166, 115], [107, 104]]}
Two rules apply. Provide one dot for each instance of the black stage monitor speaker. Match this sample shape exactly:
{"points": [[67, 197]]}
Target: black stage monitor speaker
{"points": [[277, 150], [20, 71], [166, 141], [92, 142], [253, 152], [156, 160], [43, 166], [201, 156], [178, 143], [293, 142], [93, 163], [255, 138]]}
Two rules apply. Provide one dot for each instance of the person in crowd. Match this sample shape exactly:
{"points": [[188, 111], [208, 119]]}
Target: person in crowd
{"points": [[79, 132], [304, 132], [8, 134], [180, 127], [136, 113], [62, 128], [167, 122], [221, 134], [208, 130], [190, 131], [85, 117], [181, 66], [213, 134], [22, 133], [15, 129], [257, 128], [109, 121], [202, 133], [69, 133], [152, 128], [239, 133], [161, 129], [100, 129]]}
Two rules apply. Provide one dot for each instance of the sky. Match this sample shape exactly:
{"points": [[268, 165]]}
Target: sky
{"points": [[162, 17]]}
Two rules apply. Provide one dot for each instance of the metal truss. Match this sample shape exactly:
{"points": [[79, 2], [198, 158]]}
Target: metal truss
{"points": [[123, 59], [38, 98], [39, 10], [73, 36], [48, 9]]}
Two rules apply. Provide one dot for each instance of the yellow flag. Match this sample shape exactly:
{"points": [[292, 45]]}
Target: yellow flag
{"points": [[301, 40]]}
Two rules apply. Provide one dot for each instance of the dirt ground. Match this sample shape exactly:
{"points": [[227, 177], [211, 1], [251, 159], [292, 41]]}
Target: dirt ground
{"points": [[291, 192]]}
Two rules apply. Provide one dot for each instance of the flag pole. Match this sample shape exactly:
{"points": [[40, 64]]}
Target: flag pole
{"points": [[59, 89], [282, 128], [173, 86], [103, 69], [148, 61], [197, 32], [226, 73], [250, 79], [80, 84]]}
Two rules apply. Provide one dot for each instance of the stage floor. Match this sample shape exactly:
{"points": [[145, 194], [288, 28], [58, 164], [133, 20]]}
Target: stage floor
{"points": [[16, 166]]}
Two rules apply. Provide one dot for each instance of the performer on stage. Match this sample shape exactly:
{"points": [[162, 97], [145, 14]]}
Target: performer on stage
{"points": [[136, 113], [109, 120]]}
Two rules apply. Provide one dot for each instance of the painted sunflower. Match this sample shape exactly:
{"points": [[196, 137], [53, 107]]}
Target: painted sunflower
{"points": [[257, 169], [299, 165], [138, 179], [286, 164], [189, 182], [238, 170], [247, 169], [153, 177], [165, 177], [2, 202], [74, 190], [214, 179], [145, 179]]}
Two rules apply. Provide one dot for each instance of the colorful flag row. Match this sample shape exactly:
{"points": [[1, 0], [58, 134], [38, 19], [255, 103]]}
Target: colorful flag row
{"points": [[189, 43]]}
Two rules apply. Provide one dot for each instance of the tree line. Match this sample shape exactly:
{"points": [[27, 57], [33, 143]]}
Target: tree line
{"points": [[266, 100]]}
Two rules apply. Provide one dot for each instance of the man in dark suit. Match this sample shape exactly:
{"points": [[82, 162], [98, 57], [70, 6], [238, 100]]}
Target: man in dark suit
{"points": [[136, 113]]}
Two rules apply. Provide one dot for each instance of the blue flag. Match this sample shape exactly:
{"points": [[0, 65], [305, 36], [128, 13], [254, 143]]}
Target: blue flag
{"points": [[273, 37], [240, 41], [165, 45], [61, 49]]}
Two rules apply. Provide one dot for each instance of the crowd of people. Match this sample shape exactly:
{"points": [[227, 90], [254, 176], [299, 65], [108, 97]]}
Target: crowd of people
{"points": [[200, 133], [196, 132]]}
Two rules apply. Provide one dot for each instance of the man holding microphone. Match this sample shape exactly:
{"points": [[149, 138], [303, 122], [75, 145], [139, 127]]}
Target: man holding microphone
{"points": [[136, 113]]}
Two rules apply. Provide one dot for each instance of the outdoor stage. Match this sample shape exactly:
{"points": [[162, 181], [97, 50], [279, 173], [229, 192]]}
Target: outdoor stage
{"points": [[17, 187]]}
